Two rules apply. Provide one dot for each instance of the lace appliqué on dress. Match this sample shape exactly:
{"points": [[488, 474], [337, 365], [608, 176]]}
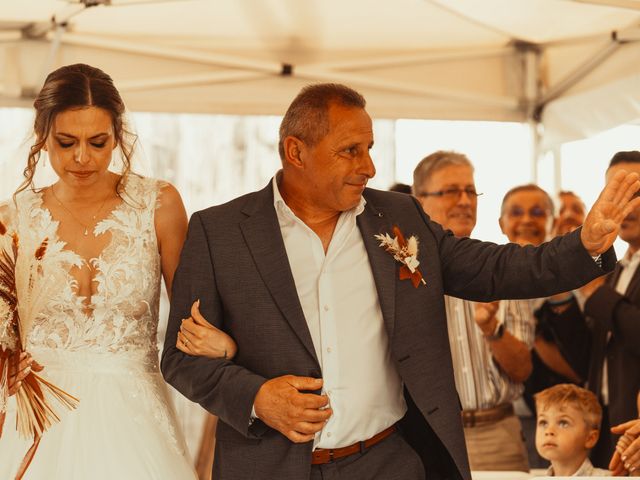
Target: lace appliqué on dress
{"points": [[122, 316], [123, 313]]}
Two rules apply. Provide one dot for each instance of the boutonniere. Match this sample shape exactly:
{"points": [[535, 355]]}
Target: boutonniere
{"points": [[405, 252]]}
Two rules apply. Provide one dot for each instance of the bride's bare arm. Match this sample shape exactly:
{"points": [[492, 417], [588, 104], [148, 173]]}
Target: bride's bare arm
{"points": [[197, 336], [171, 231]]}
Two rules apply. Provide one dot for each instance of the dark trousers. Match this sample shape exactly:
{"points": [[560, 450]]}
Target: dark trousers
{"points": [[391, 459]]}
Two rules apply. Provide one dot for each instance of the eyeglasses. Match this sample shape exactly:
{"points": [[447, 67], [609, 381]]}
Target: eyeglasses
{"points": [[534, 212], [452, 193]]}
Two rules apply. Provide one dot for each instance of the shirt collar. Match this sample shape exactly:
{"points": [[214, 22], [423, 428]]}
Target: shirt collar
{"points": [[281, 206], [629, 259], [585, 470]]}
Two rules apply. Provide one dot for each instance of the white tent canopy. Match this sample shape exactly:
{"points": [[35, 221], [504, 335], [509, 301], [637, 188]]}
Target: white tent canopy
{"points": [[574, 65]]}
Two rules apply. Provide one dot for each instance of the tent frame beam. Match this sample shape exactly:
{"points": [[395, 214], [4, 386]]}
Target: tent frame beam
{"points": [[630, 4], [310, 72], [578, 74]]}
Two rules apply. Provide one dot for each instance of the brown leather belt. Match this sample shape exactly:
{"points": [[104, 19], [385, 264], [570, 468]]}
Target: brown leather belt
{"points": [[328, 455], [485, 416]]}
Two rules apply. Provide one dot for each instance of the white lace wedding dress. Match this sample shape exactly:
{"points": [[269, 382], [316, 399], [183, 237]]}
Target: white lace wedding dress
{"points": [[103, 352]]}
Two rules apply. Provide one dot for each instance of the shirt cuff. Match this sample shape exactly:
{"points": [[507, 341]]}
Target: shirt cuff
{"points": [[597, 259], [253, 416]]}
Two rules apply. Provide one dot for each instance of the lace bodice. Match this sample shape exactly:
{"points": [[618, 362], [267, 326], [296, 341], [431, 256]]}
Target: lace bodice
{"points": [[122, 315]]}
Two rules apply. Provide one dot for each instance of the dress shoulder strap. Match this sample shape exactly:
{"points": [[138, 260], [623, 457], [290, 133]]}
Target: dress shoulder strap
{"points": [[142, 192]]}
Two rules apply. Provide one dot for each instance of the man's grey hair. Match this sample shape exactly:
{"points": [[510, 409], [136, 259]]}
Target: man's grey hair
{"points": [[434, 162], [307, 118]]}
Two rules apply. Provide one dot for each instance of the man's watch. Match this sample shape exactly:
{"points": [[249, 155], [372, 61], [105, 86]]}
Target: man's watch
{"points": [[497, 335]]}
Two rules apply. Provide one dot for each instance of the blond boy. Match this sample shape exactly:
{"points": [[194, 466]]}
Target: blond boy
{"points": [[568, 426]]}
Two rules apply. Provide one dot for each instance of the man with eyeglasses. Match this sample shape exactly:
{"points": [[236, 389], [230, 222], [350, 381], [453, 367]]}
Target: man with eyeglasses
{"points": [[614, 314], [491, 359], [526, 215], [527, 218]]}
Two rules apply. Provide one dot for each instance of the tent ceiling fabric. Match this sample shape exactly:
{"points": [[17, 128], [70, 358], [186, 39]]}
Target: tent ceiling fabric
{"points": [[449, 59]]}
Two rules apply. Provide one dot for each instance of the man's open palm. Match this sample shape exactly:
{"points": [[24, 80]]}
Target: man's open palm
{"points": [[615, 202]]}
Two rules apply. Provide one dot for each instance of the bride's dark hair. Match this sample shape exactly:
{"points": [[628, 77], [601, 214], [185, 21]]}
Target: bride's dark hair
{"points": [[78, 86]]}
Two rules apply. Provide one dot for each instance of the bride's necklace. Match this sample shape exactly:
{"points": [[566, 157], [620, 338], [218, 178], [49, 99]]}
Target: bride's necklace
{"points": [[93, 217]]}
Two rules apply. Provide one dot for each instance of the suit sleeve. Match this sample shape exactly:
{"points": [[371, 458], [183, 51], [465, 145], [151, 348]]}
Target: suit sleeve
{"points": [[220, 386], [617, 314], [484, 271]]}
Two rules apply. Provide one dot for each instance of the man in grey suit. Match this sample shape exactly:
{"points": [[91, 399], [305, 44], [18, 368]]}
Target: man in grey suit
{"points": [[343, 368]]}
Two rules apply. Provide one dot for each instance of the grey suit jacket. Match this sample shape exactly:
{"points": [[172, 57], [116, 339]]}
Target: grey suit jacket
{"points": [[234, 260]]}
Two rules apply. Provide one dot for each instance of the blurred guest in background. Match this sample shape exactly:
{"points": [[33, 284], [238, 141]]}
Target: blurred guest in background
{"points": [[614, 313], [400, 187], [568, 428], [526, 218], [571, 213], [561, 348], [490, 359], [526, 215]]}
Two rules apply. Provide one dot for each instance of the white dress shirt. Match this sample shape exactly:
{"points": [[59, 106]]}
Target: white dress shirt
{"points": [[586, 470], [338, 296]]}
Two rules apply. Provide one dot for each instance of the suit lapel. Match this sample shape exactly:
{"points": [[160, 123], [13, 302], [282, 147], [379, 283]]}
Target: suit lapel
{"points": [[612, 279], [372, 221], [633, 284], [262, 233], [600, 332]]}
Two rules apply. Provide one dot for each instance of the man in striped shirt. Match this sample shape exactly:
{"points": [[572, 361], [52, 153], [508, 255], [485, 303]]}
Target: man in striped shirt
{"points": [[490, 343]]}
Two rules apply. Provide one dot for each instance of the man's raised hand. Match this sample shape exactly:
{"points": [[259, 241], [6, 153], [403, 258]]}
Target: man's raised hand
{"points": [[615, 202]]}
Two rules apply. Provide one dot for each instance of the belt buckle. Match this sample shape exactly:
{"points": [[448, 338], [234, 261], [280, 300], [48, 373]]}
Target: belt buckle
{"points": [[469, 418]]}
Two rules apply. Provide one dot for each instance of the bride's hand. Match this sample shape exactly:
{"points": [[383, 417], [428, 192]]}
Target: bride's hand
{"points": [[199, 338], [20, 366]]}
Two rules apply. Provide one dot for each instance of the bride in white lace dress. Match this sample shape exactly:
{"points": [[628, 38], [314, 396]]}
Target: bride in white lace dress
{"points": [[110, 240]]}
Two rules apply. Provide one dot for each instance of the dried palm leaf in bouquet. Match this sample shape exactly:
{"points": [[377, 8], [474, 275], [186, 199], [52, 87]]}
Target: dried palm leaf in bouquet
{"points": [[34, 399]]}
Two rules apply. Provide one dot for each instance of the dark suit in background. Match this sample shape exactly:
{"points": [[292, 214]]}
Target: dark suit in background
{"points": [[615, 323]]}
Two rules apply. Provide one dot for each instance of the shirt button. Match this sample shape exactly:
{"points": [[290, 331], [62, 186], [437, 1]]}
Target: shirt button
{"points": [[328, 349], [326, 308], [328, 434]]}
